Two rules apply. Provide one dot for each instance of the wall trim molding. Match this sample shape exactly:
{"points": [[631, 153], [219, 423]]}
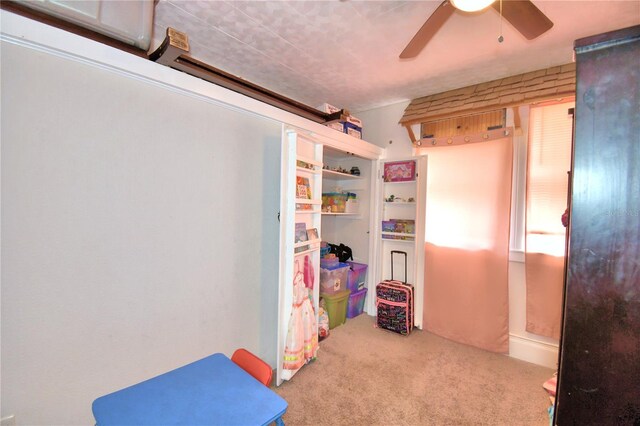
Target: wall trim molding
{"points": [[533, 351]]}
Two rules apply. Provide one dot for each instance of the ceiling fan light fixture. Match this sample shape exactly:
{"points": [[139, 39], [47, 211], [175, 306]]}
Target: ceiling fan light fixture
{"points": [[471, 5]]}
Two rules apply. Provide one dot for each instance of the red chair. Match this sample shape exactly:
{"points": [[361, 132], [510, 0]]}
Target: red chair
{"points": [[253, 365]]}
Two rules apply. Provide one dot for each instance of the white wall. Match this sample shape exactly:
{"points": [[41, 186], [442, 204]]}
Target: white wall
{"points": [[380, 126], [139, 233]]}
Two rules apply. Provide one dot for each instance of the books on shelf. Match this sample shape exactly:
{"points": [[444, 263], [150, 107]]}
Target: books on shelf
{"points": [[300, 236], [303, 188], [400, 171], [312, 234], [388, 226], [301, 232], [304, 207], [399, 226], [305, 165]]}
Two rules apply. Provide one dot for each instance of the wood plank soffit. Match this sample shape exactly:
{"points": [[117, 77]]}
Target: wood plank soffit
{"points": [[532, 87]]}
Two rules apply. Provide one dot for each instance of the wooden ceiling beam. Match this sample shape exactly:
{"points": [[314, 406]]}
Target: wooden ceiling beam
{"points": [[173, 50]]}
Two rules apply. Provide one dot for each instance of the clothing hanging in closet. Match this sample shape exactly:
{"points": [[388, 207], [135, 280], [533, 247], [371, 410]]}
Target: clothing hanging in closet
{"points": [[302, 335]]}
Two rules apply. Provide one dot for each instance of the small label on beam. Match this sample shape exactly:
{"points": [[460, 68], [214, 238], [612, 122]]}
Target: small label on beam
{"points": [[178, 39]]}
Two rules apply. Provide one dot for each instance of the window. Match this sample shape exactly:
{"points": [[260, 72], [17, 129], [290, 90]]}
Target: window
{"points": [[548, 161]]}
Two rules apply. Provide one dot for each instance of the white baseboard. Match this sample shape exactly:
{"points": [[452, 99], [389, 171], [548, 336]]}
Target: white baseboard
{"points": [[533, 351]]}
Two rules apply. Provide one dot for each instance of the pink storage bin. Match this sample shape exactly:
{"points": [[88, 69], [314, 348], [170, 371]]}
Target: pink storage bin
{"points": [[357, 278], [334, 278], [355, 306]]}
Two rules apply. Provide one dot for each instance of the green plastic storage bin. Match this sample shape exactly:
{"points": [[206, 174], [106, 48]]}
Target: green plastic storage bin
{"points": [[336, 305]]}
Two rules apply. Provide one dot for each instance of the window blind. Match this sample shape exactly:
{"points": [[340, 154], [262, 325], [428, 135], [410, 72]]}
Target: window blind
{"points": [[548, 161]]}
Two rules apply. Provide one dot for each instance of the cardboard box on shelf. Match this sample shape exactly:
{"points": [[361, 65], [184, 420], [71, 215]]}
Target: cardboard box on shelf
{"points": [[336, 125], [343, 116], [353, 120], [328, 108], [352, 130]]}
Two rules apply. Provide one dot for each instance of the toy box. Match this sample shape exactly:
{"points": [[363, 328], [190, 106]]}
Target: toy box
{"points": [[355, 305], [357, 277], [334, 278], [336, 305], [329, 263], [352, 206], [334, 202]]}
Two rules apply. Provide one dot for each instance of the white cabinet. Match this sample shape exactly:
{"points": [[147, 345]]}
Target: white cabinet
{"points": [[304, 155], [401, 222]]}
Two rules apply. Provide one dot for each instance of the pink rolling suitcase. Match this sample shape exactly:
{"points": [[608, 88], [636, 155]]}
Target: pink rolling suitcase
{"points": [[394, 302]]}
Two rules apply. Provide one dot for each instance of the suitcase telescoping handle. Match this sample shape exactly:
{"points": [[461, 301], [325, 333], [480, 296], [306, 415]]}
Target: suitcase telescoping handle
{"points": [[405, 263]]}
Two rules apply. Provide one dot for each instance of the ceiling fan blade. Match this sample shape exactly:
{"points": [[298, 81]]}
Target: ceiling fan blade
{"points": [[428, 30], [525, 17]]}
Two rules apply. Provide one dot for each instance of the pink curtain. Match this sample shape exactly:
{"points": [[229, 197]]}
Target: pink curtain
{"points": [[467, 243], [545, 276], [548, 160]]}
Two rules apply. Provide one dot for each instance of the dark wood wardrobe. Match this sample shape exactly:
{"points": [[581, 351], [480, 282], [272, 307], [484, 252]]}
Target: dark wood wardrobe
{"points": [[599, 375]]}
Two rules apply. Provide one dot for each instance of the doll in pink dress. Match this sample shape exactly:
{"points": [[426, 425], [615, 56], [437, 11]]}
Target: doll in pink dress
{"points": [[302, 336]]}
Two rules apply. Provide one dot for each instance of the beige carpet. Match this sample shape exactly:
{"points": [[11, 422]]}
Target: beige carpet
{"points": [[366, 376]]}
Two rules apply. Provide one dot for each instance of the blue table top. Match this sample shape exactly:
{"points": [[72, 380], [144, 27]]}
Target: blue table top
{"points": [[212, 391]]}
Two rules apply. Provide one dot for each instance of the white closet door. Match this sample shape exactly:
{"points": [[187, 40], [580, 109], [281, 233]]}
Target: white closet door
{"points": [[301, 160]]}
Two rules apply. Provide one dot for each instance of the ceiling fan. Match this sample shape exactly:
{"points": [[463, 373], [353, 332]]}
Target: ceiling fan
{"points": [[522, 14]]}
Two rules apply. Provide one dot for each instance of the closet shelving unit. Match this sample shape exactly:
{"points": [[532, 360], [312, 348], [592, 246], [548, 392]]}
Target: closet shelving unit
{"points": [[310, 155], [335, 178], [350, 228], [402, 210], [412, 243]]}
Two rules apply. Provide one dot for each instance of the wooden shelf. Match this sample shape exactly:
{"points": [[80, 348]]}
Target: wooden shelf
{"points": [[399, 203], [398, 234], [311, 250], [309, 171], [409, 238], [339, 214], [307, 243], [333, 175], [398, 241], [309, 160], [307, 201], [400, 183]]}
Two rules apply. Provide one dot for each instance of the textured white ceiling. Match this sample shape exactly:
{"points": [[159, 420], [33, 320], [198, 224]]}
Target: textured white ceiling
{"points": [[346, 52]]}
